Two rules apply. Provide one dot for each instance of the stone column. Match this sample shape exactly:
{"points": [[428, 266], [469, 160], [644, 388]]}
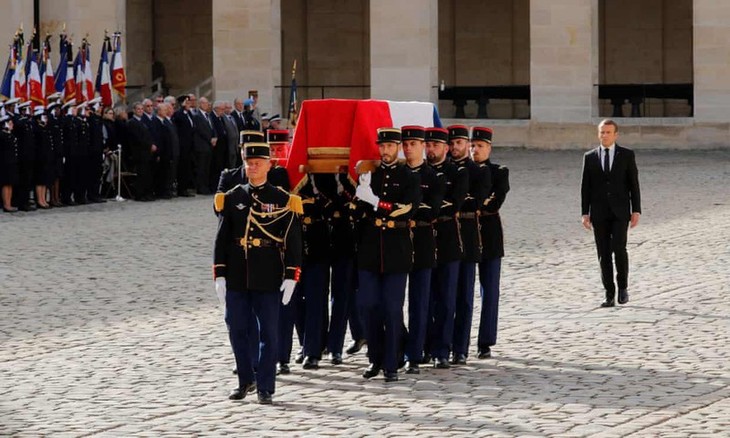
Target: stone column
{"points": [[403, 50], [711, 54], [247, 50], [563, 60]]}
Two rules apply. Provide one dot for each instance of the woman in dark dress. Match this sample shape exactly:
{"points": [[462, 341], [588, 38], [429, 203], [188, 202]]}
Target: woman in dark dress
{"points": [[8, 162], [45, 163]]}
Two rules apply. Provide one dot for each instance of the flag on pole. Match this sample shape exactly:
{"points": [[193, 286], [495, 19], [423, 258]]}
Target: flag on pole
{"points": [[292, 116], [47, 76], [118, 77], [79, 64], [19, 81], [63, 47], [7, 90], [88, 75], [35, 86], [69, 86], [103, 77]]}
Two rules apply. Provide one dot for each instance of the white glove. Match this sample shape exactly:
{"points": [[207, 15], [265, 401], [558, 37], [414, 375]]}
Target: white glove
{"points": [[220, 290], [365, 192], [287, 286]]}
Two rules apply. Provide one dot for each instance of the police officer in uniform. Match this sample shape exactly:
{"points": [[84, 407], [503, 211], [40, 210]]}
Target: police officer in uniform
{"points": [[44, 171], [388, 198], [492, 240], [54, 124], [479, 185], [83, 153], [94, 164], [258, 250], [424, 244]]}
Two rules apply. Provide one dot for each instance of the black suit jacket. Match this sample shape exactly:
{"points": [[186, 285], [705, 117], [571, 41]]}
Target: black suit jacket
{"points": [[616, 193], [139, 138], [185, 130], [203, 133]]}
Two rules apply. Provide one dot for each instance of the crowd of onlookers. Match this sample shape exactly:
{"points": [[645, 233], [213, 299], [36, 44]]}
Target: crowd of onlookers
{"points": [[65, 154]]}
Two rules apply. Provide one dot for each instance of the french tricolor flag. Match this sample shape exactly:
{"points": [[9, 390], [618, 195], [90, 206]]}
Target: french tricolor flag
{"points": [[351, 124]]}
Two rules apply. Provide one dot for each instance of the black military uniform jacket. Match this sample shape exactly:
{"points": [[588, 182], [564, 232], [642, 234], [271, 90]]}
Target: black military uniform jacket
{"points": [[342, 230], [315, 228], [83, 135], [422, 224], [259, 242], [70, 138], [489, 220], [449, 247], [384, 244], [479, 187], [8, 158], [23, 131]]}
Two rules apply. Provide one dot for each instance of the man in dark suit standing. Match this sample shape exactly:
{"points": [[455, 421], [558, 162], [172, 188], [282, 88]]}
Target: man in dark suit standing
{"points": [[185, 126], [204, 140], [610, 203]]}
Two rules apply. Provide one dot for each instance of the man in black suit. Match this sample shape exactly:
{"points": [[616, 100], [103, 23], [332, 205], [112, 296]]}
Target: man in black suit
{"points": [[185, 126], [204, 140], [142, 146], [610, 203]]}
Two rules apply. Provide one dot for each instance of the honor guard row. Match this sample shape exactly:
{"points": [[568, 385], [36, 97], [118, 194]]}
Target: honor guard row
{"points": [[427, 224], [53, 156]]}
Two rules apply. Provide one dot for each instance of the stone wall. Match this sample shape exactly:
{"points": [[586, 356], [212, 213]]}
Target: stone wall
{"points": [[485, 43], [330, 41], [184, 37], [646, 41]]}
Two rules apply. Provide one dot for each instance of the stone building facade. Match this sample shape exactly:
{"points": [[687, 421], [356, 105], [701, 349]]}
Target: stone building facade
{"points": [[564, 51]]}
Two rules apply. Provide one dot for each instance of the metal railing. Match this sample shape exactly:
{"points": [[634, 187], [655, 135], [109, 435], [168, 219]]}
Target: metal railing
{"points": [[205, 88]]}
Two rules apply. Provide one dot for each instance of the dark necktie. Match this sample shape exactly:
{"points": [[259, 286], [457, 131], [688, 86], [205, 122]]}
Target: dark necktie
{"points": [[606, 165]]}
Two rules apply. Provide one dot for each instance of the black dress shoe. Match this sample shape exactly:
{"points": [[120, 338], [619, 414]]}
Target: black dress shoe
{"points": [[371, 371], [265, 398], [623, 296], [97, 200], [426, 359], [459, 359], [283, 368], [608, 303], [355, 346], [10, 210], [299, 358], [310, 363], [336, 359], [27, 207], [484, 354], [441, 363], [412, 368], [391, 377], [240, 393]]}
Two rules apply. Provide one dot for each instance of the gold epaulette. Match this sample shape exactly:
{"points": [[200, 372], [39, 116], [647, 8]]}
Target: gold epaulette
{"points": [[295, 204], [219, 202]]}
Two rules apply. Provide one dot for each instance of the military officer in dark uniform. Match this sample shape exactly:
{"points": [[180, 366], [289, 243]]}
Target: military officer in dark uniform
{"points": [[8, 162], [23, 130], [479, 185], [230, 178], [424, 244], [54, 124], [342, 282], [94, 163], [71, 167], [279, 141], [83, 153], [44, 171], [449, 247], [258, 250], [492, 241], [315, 271], [387, 198]]}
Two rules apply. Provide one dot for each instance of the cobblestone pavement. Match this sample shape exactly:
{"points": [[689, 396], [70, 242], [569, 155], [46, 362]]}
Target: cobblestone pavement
{"points": [[109, 324]]}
